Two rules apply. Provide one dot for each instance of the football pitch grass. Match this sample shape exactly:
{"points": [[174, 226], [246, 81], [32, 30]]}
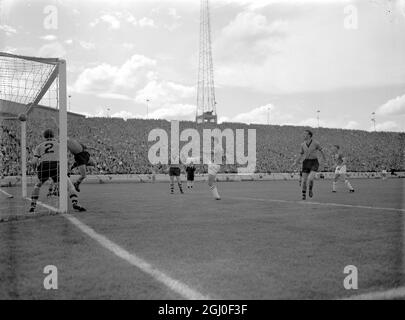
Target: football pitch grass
{"points": [[136, 241]]}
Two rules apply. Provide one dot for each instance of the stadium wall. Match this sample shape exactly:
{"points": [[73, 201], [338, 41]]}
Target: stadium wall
{"points": [[157, 178]]}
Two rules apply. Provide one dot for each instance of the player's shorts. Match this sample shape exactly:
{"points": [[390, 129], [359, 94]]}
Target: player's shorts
{"points": [[341, 169], [174, 172], [310, 165], [190, 177], [48, 169], [213, 169], [81, 158]]}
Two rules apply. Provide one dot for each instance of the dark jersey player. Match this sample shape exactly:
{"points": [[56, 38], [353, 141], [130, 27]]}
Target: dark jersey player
{"points": [[174, 173], [82, 161], [190, 170], [81, 156], [310, 164]]}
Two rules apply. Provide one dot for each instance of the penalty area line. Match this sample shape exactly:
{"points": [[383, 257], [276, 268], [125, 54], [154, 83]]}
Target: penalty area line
{"points": [[326, 204], [46, 206], [6, 194], [175, 285]]}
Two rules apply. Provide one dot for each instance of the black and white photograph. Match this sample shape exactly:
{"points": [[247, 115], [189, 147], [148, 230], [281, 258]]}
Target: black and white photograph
{"points": [[202, 154]]}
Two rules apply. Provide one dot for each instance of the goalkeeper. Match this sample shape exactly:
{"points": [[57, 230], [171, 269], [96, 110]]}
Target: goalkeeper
{"points": [[82, 160]]}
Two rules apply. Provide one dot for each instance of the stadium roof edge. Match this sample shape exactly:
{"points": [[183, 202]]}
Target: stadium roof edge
{"points": [[55, 110]]}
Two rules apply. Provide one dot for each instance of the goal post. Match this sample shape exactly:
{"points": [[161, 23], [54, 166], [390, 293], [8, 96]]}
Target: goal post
{"points": [[27, 83], [63, 204]]}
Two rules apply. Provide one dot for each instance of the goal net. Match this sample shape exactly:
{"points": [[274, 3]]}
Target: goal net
{"points": [[32, 99]]}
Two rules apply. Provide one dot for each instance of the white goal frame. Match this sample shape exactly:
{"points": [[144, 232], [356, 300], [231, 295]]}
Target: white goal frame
{"points": [[59, 73]]}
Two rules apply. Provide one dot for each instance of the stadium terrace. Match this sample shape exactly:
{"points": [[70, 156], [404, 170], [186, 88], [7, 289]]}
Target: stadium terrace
{"points": [[212, 144]]}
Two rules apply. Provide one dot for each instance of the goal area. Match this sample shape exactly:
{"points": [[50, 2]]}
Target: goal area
{"points": [[33, 98]]}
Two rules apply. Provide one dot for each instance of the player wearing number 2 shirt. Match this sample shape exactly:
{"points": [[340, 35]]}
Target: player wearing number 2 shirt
{"points": [[46, 157]]}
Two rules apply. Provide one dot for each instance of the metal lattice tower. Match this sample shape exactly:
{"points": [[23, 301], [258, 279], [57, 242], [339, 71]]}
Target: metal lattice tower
{"points": [[206, 104]]}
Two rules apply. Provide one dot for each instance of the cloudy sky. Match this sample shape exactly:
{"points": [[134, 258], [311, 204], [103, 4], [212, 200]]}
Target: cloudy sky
{"points": [[285, 58]]}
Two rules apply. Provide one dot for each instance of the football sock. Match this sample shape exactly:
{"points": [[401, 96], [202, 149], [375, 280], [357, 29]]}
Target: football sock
{"points": [[34, 200], [73, 198], [215, 193], [80, 180], [348, 185]]}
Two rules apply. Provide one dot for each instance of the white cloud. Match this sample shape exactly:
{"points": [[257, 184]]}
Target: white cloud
{"points": [[311, 122], [260, 115], [9, 49], [106, 78], [175, 20], [351, 125], [109, 19], [49, 37], [336, 123], [174, 112], [387, 126], [277, 115], [249, 25], [131, 19], [255, 4], [52, 50], [307, 51], [136, 80], [124, 115], [161, 92], [98, 79], [249, 38], [8, 30], [115, 19], [393, 107], [169, 112], [146, 22], [259, 4]]}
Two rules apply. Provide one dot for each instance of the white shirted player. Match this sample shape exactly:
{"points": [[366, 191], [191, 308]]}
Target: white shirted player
{"points": [[341, 169], [213, 169], [384, 173]]}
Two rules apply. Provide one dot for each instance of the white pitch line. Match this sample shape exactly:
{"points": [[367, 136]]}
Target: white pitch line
{"points": [[175, 285], [320, 204], [46, 206], [6, 193], [180, 288], [381, 295]]}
